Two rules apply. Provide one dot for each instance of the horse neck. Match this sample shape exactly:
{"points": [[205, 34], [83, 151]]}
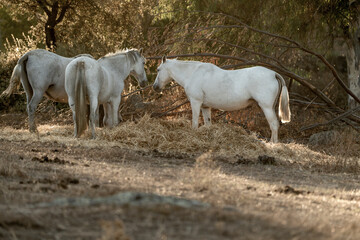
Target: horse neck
{"points": [[180, 71], [120, 65]]}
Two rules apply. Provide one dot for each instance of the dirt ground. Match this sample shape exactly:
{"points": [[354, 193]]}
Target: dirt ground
{"points": [[57, 187]]}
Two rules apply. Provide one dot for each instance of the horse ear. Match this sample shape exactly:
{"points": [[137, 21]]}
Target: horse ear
{"points": [[164, 59], [141, 51]]}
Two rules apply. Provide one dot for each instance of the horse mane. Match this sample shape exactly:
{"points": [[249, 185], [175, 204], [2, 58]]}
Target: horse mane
{"points": [[132, 53]]}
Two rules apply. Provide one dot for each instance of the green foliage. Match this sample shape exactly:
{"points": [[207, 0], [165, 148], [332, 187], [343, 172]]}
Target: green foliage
{"points": [[12, 26]]}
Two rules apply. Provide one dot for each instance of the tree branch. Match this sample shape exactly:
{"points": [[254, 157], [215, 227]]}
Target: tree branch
{"points": [[42, 4], [169, 110], [243, 48], [63, 12], [138, 90], [340, 117]]}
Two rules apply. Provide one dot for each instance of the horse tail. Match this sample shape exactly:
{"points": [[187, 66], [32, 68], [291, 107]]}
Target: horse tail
{"points": [[284, 108], [81, 110], [19, 73]]}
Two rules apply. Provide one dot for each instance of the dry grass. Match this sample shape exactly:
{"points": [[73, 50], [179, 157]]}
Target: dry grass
{"points": [[228, 141], [178, 136]]}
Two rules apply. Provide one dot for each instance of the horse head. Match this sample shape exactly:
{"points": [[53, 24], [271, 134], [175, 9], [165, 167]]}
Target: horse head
{"points": [[163, 76], [137, 69]]}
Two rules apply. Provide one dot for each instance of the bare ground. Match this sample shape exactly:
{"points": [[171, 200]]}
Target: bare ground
{"points": [[62, 188]]}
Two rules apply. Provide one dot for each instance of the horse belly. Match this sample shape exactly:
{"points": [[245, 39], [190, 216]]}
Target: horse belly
{"points": [[229, 104], [228, 97], [57, 93]]}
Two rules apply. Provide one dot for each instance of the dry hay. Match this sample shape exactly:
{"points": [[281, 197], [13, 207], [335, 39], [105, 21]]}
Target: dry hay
{"points": [[225, 140], [228, 142], [178, 136]]}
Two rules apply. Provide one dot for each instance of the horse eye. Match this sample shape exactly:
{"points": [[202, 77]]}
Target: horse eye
{"points": [[158, 70]]}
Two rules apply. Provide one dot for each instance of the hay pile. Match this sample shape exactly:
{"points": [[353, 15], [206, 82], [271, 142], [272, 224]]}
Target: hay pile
{"points": [[178, 136], [227, 141]]}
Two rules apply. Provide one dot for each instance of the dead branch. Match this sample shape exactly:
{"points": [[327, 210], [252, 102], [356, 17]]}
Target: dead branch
{"points": [[316, 104], [172, 103], [242, 48], [340, 117], [328, 85], [169, 110], [138, 90]]}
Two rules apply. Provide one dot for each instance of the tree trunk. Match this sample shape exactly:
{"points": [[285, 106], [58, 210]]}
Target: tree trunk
{"points": [[54, 18], [50, 37], [353, 63]]}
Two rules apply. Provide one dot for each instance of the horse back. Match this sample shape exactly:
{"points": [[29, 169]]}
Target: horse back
{"points": [[46, 68], [235, 89]]}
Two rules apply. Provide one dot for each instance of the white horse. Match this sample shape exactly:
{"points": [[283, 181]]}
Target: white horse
{"points": [[100, 82], [208, 86], [41, 73]]}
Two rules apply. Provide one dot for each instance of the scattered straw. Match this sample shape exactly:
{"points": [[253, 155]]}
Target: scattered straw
{"points": [[178, 136]]}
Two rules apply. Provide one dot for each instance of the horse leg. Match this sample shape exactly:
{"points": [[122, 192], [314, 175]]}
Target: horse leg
{"points": [[195, 108], [93, 109], [107, 115], [31, 109], [272, 120], [101, 115], [97, 122], [206, 112], [28, 91], [72, 106], [120, 117], [115, 109]]}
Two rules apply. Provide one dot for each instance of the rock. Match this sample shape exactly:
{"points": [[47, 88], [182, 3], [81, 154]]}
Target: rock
{"points": [[324, 138]]}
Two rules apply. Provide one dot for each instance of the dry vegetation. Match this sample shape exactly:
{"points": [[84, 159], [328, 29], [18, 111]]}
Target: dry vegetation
{"points": [[246, 187]]}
